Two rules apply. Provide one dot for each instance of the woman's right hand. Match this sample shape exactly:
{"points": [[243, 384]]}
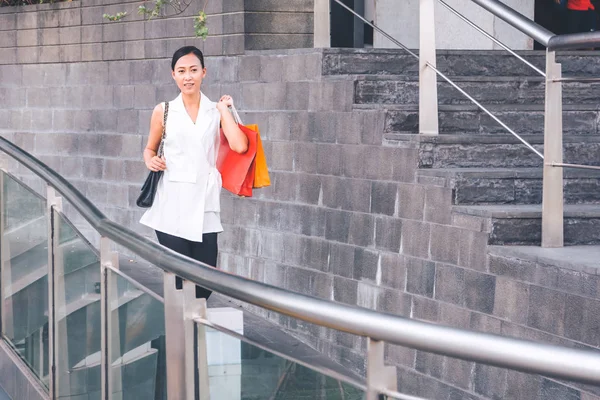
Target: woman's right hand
{"points": [[157, 163]]}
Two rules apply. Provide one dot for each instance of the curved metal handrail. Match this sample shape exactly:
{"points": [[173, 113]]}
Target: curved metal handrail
{"points": [[573, 364], [447, 79], [538, 32], [517, 20], [574, 41], [492, 38]]}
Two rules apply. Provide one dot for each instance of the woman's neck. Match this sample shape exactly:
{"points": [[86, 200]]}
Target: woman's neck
{"points": [[191, 100]]}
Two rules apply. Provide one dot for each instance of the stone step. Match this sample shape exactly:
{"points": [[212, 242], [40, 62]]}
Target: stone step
{"points": [[521, 224], [492, 151], [583, 259], [469, 119], [453, 62], [510, 185], [513, 90]]}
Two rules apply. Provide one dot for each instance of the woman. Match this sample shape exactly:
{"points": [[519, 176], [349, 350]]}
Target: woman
{"points": [[186, 209], [581, 16]]}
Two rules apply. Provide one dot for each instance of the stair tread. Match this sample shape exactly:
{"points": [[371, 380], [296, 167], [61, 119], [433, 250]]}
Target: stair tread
{"points": [[536, 173], [473, 107], [414, 77], [446, 52], [578, 258], [494, 138], [526, 210], [476, 62]]}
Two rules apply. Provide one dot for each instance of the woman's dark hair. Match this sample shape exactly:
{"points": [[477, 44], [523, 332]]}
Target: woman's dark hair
{"points": [[184, 51]]}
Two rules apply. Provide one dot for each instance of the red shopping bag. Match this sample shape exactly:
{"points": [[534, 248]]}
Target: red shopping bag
{"points": [[237, 170]]}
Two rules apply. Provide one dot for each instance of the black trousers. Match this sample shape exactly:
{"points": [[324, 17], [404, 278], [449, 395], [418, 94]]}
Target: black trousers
{"points": [[581, 21], [205, 252]]}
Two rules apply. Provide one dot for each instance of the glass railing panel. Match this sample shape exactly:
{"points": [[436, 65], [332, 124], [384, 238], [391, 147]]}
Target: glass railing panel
{"points": [[136, 340], [78, 313], [24, 273], [232, 367]]}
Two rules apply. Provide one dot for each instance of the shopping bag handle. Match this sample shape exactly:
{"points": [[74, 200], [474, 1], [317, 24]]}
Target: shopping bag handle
{"points": [[236, 116]]}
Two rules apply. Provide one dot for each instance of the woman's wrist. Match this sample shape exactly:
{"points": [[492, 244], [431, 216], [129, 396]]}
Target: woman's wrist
{"points": [[148, 155]]}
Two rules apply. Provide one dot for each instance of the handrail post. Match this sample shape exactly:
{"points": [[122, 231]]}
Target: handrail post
{"points": [[53, 205], [108, 259], [552, 197], [428, 98], [379, 376], [175, 339], [321, 34], [192, 308], [3, 250], [202, 355]]}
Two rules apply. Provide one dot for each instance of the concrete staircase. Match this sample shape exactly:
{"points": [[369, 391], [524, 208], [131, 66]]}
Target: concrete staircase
{"points": [[484, 264], [496, 181]]}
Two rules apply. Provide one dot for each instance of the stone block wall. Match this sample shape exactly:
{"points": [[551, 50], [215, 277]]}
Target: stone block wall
{"points": [[77, 90], [76, 32], [278, 24]]}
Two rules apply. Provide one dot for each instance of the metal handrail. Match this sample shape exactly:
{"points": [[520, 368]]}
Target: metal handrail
{"points": [[562, 362], [577, 166], [517, 20], [493, 39], [523, 24], [538, 32], [576, 79], [535, 31], [550, 40], [574, 41], [450, 81]]}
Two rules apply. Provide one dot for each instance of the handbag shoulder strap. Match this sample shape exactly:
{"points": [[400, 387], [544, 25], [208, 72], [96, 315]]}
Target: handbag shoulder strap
{"points": [[164, 131]]}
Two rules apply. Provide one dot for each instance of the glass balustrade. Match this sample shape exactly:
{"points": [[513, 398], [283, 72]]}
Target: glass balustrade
{"points": [[228, 364], [77, 312], [232, 367], [24, 273], [136, 340]]}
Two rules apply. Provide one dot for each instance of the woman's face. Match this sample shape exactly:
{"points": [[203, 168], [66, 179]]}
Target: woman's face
{"points": [[188, 74]]}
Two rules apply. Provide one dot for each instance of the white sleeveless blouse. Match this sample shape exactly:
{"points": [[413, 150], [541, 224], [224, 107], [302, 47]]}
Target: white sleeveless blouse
{"points": [[187, 201]]}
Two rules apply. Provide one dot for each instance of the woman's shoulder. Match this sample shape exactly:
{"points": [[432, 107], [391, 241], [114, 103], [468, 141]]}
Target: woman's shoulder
{"points": [[159, 110], [206, 102]]}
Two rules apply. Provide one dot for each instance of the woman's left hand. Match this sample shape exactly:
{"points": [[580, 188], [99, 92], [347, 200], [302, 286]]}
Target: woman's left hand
{"points": [[224, 102]]}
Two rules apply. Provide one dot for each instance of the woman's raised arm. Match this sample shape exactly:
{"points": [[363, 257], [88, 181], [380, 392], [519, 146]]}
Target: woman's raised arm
{"points": [[238, 142]]}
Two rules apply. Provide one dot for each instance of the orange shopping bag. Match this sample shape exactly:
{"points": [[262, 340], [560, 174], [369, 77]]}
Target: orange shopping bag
{"points": [[261, 171]]}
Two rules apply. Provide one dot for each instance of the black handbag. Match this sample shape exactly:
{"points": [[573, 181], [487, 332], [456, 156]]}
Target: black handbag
{"points": [[149, 187]]}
